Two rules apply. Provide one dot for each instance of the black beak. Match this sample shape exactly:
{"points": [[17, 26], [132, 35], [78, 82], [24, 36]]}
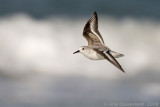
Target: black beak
{"points": [[76, 52]]}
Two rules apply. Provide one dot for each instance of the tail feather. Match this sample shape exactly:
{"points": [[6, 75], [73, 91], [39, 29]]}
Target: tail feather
{"points": [[116, 55]]}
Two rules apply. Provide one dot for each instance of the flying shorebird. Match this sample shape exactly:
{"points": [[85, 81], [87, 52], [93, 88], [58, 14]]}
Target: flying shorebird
{"points": [[96, 49]]}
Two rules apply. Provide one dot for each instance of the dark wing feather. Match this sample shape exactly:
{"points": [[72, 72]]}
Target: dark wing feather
{"points": [[110, 58], [91, 32]]}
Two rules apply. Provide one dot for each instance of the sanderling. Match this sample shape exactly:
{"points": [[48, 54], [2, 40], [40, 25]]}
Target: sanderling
{"points": [[96, 49]]}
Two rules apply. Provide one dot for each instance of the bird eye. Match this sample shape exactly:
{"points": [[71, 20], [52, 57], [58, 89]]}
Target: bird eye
{"points": [[82, 48]]}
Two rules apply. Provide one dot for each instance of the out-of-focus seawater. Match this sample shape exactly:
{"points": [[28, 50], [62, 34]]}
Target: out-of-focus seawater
{"points": [[37, 67]]}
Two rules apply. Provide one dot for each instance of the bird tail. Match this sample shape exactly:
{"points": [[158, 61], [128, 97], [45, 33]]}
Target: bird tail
{"points": [[116, 55]]}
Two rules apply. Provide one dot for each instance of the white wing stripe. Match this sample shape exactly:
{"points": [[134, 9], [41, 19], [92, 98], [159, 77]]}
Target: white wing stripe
{"points": [[97, 36]]}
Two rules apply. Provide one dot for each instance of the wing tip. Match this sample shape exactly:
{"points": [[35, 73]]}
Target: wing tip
{"points": [[93, 16], [122, 70], [94, 12]]}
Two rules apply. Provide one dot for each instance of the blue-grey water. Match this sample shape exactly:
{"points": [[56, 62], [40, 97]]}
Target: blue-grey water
{"points": [[38, 69], [77, 8]]}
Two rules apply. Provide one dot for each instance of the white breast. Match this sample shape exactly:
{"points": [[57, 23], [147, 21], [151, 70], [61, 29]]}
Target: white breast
{"points": [[93, 55]]}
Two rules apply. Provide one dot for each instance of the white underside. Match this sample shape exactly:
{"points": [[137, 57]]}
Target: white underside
{"points": [[93, 55]]}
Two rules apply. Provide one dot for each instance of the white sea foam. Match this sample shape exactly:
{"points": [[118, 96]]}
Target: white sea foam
{"points": [[47, 45], [37, 66]]}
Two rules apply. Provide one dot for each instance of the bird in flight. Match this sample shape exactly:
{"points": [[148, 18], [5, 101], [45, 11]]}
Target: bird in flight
{"points": [[96, 49]]}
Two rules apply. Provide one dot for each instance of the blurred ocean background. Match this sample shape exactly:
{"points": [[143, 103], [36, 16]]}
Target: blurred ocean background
{"points": [[38, 69]]}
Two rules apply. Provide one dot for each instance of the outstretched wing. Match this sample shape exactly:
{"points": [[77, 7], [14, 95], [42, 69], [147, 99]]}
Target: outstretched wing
{"points": [[110, 58], [91, 32]]}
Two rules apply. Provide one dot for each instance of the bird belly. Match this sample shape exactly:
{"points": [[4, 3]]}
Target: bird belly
{"points": [[93, 55]]}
